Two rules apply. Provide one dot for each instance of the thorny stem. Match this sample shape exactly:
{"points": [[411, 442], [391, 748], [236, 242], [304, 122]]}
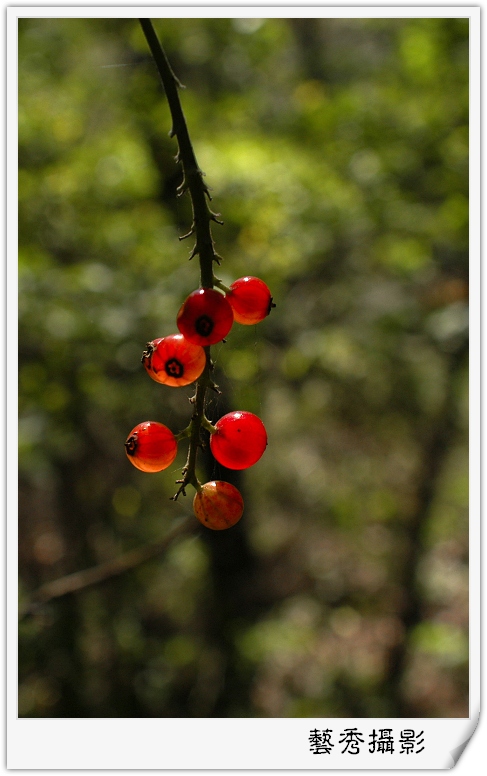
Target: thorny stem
{"points": [[204, 247], [192, 175]]}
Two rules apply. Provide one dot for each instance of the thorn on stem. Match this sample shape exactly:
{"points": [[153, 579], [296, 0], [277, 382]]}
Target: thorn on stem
{"points": [[183, 186], [181, 489], [191, 231]]}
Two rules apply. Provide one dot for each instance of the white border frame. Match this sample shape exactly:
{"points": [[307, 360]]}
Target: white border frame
{"points": [[254, 744]]}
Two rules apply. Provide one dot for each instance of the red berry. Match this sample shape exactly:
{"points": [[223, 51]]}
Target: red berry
{"points": [[151, 447], [173, 360], [218, 505], [250, 299], [205, 317], [239, 440]]}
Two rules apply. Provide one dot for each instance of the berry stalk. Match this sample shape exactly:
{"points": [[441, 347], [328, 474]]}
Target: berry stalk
{"points": [[189, 470]]}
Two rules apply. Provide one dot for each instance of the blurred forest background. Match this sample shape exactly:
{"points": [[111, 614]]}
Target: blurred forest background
{"points": [[337, 152]]}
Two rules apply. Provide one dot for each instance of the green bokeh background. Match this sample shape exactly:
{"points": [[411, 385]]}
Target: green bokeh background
{"points": [[337, 154]]}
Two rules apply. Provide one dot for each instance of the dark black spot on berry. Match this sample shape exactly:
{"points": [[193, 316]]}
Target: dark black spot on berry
{"points": [[271, 305], [204, 325], [131, 445], [147, 355], [174, 368]]}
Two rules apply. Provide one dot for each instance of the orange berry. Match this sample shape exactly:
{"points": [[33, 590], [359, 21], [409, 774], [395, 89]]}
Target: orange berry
{"points": [[218, 505], [151, 447], [174, 361]]}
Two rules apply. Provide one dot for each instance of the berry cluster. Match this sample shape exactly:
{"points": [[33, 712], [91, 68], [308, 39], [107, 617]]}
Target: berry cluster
{"points": [[238, 439]]}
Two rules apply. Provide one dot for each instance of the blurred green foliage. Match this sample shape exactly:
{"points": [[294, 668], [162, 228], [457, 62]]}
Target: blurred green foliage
{"points": [[337, 152]]}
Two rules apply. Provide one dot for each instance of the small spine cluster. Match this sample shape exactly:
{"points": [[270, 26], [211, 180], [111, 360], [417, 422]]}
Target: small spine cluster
{"points": [[238, 439]]}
